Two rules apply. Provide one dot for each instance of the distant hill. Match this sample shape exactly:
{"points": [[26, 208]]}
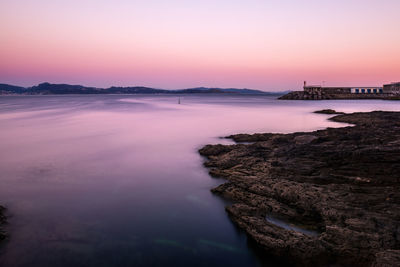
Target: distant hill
{"points": [[62, 89], [48, 88], [5, 88]]}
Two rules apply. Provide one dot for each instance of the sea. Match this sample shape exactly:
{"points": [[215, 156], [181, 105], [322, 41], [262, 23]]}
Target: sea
{"points": [[117, 180]]}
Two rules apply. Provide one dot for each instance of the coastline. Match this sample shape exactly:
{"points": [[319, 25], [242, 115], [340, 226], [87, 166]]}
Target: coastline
{"points": [[323, 197], [3, 221]]}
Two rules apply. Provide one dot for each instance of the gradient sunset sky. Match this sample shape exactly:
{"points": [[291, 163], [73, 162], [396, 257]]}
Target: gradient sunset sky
{"points": [[261, 44]]}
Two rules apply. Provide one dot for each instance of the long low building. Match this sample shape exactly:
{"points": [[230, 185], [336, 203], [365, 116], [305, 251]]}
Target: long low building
{"points": [[317, 89], [317, 92], [392, 88]]}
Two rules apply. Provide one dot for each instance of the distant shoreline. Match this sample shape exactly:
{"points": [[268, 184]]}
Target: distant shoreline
{"points": [[67, 89]]}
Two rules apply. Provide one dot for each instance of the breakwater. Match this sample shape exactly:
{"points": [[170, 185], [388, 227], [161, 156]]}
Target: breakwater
{"points": [[303, 95]]}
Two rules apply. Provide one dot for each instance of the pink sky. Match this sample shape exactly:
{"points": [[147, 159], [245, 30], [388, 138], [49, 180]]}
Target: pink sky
{"points": [[268, 45]]}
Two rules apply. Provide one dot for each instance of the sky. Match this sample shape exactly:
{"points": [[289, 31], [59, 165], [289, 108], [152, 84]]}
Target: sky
{"points": [[270, 45]]}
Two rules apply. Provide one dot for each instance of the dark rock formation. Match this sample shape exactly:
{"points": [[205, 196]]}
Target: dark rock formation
{"points": [[328, 111], [342, 183], [387, 258], [3, 221]]}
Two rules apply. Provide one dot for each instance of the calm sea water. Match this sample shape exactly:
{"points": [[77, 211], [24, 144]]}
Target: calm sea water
{"points": [[117, 180]]}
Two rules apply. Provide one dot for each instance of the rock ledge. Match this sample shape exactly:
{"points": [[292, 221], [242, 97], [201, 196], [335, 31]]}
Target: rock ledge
{"points": [[342, 183]]}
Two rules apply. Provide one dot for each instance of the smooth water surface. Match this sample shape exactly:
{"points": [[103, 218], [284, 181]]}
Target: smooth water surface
{"points": [[117, 180]]}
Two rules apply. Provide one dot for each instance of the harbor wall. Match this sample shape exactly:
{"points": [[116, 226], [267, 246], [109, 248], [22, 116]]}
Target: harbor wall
{"points": [[322, 95]]}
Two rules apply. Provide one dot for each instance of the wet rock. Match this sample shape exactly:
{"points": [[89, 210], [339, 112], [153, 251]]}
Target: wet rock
{"points": [[387, 258], [328, 111], [304, 139], [251, 137], [214, 150], [3, 221], [340, 182]]}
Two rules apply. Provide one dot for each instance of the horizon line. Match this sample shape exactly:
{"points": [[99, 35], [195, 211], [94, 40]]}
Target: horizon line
{"points": [[150, 87]]}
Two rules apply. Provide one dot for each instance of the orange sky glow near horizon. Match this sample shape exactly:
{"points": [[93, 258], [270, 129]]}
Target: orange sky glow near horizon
{"points": [[268, 45]]}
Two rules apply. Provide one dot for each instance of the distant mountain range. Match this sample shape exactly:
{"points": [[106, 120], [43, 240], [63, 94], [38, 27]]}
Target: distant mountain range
{"points": [[62, 89]]}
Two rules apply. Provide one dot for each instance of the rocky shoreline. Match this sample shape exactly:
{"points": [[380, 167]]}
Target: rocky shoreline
{"points": [[3, 221], [342, 184]]}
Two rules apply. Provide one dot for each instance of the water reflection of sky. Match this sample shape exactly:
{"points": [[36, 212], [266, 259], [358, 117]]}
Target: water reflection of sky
{"points": [[117, 180]]}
